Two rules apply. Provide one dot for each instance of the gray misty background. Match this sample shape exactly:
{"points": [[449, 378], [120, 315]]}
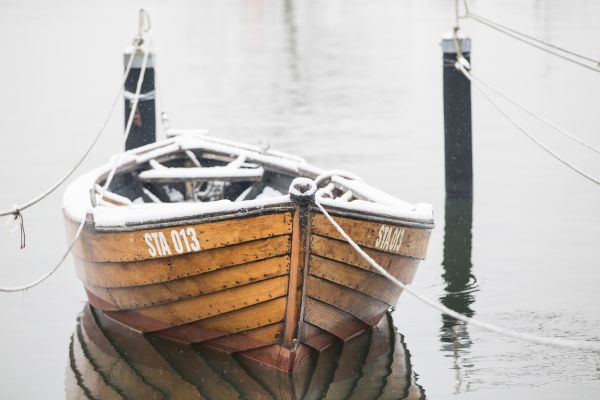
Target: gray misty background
{"points": [[347, 84]]}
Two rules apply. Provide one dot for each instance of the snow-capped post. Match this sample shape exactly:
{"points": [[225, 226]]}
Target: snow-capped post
{"points": [[302, 191], [143, 128], [457, 116]]}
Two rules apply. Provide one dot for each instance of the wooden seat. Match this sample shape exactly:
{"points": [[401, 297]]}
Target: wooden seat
{"points": [[166, 175]]}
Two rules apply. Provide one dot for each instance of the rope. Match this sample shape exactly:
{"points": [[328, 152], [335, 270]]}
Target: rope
{"points": [[531, 113], [19, 208], [50, 190], [527, 337], [548, 44], [467, 74], [22, 225], [102, 193], [530, 41]]}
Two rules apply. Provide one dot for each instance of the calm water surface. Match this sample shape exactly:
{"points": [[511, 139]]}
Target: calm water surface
{"points": [[346, 84]]}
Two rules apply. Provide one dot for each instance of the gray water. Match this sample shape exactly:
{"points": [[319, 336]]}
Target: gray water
{"points": [[346, 84]]}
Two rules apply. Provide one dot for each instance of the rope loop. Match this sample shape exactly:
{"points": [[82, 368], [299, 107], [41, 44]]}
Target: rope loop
{"points": [[16, 211], [144, 27], [144, 23], [17, 215]]}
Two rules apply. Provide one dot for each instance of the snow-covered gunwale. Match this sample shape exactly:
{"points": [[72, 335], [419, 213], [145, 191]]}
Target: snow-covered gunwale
{"points": [[205, 240]]}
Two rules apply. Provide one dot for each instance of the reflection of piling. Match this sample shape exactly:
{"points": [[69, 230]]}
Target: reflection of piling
{"points": [[143, 129], [457, 256], [457, 119], [460, 283]]}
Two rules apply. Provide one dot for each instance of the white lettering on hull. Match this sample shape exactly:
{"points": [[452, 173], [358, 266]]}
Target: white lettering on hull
{"points": [[182, 241], [389, 238]]}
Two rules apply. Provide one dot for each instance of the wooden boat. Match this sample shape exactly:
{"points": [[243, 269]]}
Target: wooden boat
{"points": [[109, 361], [198, 240]]}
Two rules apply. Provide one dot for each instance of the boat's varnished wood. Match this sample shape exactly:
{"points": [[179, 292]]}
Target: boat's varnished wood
{"points": [[236, 321], [194, 369], [126, 274], [368, 309], [366, 233], [403, 268], [100, 304], [196, 308], [375, 285], [332, 320], [248, 340], [131, 245], [296, 260], [316, 337], [155, 294]]}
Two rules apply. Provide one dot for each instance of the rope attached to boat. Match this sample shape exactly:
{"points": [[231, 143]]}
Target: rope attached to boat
{"points": [[534, 115], [527, 337], [18, 209], [102, 192]]}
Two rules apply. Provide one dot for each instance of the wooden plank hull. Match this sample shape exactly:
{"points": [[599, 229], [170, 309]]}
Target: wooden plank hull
{"points": [[274, 287], [110, 361]]}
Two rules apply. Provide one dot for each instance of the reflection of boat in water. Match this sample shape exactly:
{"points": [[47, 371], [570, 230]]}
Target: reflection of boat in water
{"points": [[110, 361], [198, 239]]}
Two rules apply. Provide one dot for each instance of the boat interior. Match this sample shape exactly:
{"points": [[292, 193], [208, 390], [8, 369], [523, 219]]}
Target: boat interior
{"points": [[206, 175]]}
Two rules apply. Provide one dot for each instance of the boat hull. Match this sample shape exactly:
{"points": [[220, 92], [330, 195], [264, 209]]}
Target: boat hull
{"points": [[273, 286]]}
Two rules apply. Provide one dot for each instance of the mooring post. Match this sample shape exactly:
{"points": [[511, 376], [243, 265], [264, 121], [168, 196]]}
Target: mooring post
{"points": [[143, 129], [457, 118]]}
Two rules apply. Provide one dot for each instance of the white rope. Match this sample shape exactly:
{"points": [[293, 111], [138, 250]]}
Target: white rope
{"points": [[467, 74], [534, 115], [19, 208], [524, 38], [151, 95], [102, 193], [468, 13], [527, 337]]}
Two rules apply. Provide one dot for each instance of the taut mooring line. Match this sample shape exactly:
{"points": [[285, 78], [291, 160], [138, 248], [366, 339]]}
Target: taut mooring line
{"points": [[102, 192], [535, 42], [18, 209], [527, 337], [468, 13], [534, 115], [461, 67]]}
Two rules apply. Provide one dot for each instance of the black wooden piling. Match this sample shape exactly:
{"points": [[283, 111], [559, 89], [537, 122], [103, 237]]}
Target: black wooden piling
{"points": [[457, 120], [143, 128]]}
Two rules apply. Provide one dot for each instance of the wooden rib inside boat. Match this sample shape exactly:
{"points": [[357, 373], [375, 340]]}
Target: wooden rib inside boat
{"points": [[109, 361], [200, 240]]}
